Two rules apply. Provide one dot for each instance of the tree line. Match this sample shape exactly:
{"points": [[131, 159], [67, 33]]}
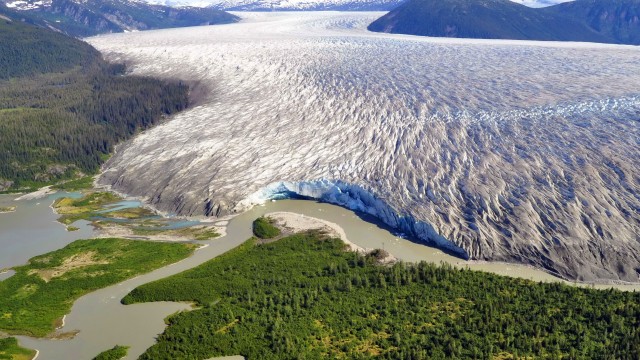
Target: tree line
{"points": [[62, 115], [303, 297]]}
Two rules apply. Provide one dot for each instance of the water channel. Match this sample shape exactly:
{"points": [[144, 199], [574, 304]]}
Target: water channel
{"points": [[103, 322]]}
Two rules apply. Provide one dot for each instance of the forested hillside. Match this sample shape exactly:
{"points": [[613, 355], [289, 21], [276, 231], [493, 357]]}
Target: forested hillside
{"points": [[618, 20], [28, 50], [304, 297], [488, 19], [605, 21], [63, 108], [92, 17]]}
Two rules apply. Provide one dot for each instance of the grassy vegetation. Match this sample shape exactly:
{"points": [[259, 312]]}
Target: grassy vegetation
{"points": [[10, 350], [93, 205], [115, 353], [128, 213], [72, 210], [263, 228], [200, 233], [6, 209], [34, 299], [305, 297], [83, 183]]}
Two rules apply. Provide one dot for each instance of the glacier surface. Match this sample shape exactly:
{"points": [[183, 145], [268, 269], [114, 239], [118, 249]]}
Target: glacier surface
{"points": [[500, 150]]}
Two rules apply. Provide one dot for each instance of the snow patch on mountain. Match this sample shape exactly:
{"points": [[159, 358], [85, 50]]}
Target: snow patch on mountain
{"points": [[27, 4], [539, 3], [289, 5], [346, 5]]}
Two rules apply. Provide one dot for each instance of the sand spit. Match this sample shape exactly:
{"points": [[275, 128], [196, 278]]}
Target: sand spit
{"points": [[39, 194], [293, 222]]}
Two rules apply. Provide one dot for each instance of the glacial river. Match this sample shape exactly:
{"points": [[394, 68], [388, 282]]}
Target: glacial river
{"points": [[33, 230], [103, 322]]}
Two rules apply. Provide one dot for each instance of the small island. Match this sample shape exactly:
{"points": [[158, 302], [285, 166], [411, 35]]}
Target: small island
{"points": [[34, 300], [111, 220], [7, 209]]}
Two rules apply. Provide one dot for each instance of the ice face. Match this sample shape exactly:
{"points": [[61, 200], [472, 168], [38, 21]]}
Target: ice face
{"points": [[504, 150]]}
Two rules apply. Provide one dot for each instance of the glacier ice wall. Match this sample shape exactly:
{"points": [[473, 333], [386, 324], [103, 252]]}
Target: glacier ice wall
{"points": [[353, 197], [511, 151]]}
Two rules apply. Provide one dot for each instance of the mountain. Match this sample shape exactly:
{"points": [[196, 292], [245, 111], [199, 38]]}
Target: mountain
{"points": [[606, 21], [289, 5], [63, 108], [292, 5], [92, 17], [29, 50], [618, 20], [539, 3]]}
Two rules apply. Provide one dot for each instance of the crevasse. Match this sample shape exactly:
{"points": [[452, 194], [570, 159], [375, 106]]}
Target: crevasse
{"points": [[353, 197]]}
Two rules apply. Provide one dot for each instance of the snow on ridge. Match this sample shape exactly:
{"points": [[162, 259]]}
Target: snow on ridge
{"points": [[251, 5], [510, 150], [539, 3], [27, 4]]}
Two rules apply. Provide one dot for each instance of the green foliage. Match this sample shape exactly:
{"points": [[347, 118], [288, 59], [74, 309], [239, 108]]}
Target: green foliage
{"points": [[63, 108], [264, 229], [92, 17], [28, 50], [10, 350], [34, 299], [72, 210], [305, 297], [115, 353], [52, 126], [83, 183]]}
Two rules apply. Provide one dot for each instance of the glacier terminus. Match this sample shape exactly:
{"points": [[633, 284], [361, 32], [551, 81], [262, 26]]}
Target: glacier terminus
{"points": [[512, 151]]}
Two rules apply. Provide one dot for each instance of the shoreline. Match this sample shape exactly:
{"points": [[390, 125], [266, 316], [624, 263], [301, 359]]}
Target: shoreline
{"points": [[9, 210], [300, 222], [605, 284], [220, 225], [38, 194]]}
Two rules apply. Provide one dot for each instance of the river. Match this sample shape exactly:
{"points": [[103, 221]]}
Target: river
{"points": [[32, 229], [103, 322]]}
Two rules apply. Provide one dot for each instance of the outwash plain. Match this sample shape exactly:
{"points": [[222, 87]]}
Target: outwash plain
{"points": [[511, 151]]}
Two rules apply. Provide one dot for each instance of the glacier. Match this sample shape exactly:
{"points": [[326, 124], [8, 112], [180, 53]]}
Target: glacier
{"points": [[498, 150]]}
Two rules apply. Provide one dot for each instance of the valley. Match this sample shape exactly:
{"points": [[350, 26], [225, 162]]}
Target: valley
{"points": [[295, 185], [509, 151]]}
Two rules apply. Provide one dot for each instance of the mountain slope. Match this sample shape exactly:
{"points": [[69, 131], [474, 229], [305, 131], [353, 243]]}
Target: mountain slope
{"points": [[28, 50], [288, 5], [619, 20], [87, 18], [582, 20], [63, 108]]}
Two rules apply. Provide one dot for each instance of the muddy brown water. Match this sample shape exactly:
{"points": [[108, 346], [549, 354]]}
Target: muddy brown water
{"points": [[103, 322], [33, 230]]}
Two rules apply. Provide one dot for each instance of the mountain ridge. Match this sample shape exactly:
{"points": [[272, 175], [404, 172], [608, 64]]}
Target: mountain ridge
{"points": [[92, 17], [308, 5], [615, 21]]}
